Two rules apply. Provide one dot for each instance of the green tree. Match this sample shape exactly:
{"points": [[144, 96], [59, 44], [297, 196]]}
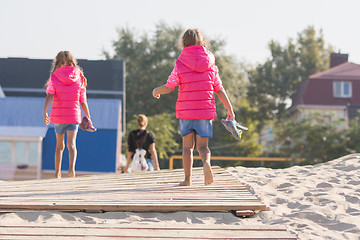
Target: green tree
{"points": [[149, 62], [352, 136], [150, 59], [273, 84], [315, 138]]}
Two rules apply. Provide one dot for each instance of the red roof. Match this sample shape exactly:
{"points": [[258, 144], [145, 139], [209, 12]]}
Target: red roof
{"points": [[345, 71], [318, 88]]}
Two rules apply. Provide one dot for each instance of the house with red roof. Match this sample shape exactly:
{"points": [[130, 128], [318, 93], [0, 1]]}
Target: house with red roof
{"points": [[334, 93]]}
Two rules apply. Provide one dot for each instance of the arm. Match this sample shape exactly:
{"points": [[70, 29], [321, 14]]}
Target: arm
{"points": [[85, 108], [225, 100], [128, 160], [161, 90], [48, 100], [154, 157]]}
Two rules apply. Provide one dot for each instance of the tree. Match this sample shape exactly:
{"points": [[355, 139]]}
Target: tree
{"points": [[273, 84], [315, 138], [150, 60]]}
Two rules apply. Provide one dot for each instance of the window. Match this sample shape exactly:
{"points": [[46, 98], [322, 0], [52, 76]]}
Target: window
{"points": [[5, 151], [342, 89]]}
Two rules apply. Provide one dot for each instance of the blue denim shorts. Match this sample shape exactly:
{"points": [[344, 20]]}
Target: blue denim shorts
{"points": [[60, 128], [202, 127], [150, 164]]}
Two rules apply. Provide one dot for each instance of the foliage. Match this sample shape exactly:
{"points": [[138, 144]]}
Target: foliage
{"points": [[315, 138], [352, 137], [150, 60], [163, 127], [274, 83]]}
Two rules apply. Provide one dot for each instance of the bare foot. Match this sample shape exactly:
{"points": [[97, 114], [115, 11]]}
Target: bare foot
{"points": [[186, 182], [208, 175], [71, 173], [57, 175]]}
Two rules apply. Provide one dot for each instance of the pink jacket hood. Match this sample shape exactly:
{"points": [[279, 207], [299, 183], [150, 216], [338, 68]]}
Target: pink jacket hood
{"points": [[197, 58], [67, 75]]}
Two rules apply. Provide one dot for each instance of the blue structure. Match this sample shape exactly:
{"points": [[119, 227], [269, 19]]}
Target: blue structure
{"points": [[97, 152]]}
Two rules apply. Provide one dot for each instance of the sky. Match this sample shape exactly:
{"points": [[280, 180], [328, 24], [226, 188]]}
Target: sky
{"points": [[39, 29]]}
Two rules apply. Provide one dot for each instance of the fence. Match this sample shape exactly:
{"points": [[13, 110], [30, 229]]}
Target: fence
{"points": [[226, 158]]}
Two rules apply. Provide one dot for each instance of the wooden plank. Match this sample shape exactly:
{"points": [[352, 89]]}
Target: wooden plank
{"points": [[149, 191], [138, 231]]}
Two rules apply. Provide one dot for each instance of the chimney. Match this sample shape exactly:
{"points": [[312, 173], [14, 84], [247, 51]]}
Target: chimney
{"points": [[337, 59]]}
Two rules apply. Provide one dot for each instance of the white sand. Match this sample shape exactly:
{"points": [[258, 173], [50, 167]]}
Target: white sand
{"points": [[313, 202]]}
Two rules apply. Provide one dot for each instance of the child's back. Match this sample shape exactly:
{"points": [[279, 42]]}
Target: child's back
{"points": [[67, 86], [197, 73]]}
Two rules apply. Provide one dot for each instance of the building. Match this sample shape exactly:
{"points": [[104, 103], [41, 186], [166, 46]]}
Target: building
{"points": [[27, 145], [334, 93], [27, 77]]}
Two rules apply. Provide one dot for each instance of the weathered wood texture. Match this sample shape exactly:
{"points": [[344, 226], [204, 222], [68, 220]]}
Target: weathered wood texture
{"points": [[139, 192], [142, 231], [157, 191]]}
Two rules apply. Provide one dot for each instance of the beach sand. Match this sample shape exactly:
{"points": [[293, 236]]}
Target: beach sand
{"points": [[313, 202]]}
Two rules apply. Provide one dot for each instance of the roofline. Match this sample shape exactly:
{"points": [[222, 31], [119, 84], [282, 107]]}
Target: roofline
{"points": [[20, 138], [41, 90], [316, 75], [310, 106]]}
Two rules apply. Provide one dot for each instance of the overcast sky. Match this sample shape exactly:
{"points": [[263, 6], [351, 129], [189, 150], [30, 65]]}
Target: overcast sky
{"points": [[41, 28]]}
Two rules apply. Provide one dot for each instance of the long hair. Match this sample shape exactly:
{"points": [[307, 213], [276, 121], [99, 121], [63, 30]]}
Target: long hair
{"points": [[65, 58], [193, 37]]}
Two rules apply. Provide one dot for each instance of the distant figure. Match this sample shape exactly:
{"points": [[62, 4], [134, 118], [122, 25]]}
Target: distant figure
{"points": [[141, 140], [197, 76], [66, 89]]}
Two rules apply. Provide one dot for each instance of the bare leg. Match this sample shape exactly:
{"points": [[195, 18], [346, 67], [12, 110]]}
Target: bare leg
{"points": [[58, 154], [187, 158], [71, 145], [204, 152]]}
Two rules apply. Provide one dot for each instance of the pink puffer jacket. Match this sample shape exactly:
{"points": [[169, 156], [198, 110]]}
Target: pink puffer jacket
{"points": [[67, 86], [197, 79]]}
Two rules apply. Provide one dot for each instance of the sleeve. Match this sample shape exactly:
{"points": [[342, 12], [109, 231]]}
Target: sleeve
{"points": [[131, 142], [173, 79], [50, 89], [217, 81], [82, 91], [151, 138]]}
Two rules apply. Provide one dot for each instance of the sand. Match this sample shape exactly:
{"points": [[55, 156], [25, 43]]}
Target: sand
{"points": [[313, 202]]}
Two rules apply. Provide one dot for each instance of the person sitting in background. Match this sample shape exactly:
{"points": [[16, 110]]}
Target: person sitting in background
{"points": [[142, 139]]}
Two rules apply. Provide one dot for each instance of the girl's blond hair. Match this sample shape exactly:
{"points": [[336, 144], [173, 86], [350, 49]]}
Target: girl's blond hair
{"points": [[142, 120], [193, 37], [65, 58]]}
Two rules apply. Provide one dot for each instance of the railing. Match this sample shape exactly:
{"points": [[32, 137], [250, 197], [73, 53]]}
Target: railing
{"points": [[226, 158]]}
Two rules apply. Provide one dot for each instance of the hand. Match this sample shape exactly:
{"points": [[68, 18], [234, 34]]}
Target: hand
{"points": [[231, 115], [155, 94], [90, 122], [46, 118]]}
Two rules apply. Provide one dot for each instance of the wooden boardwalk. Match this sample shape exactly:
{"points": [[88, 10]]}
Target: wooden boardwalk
{"points": [[141, 231], [134, 192]]}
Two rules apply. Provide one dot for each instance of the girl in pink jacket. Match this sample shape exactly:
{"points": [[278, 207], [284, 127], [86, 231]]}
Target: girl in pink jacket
{"points": [[66, 89], [197, 77]]}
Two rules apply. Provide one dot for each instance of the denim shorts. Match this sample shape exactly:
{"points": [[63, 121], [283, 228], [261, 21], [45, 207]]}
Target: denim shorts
{"points": [[202, 127], [150, 164], [60, 128]]}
